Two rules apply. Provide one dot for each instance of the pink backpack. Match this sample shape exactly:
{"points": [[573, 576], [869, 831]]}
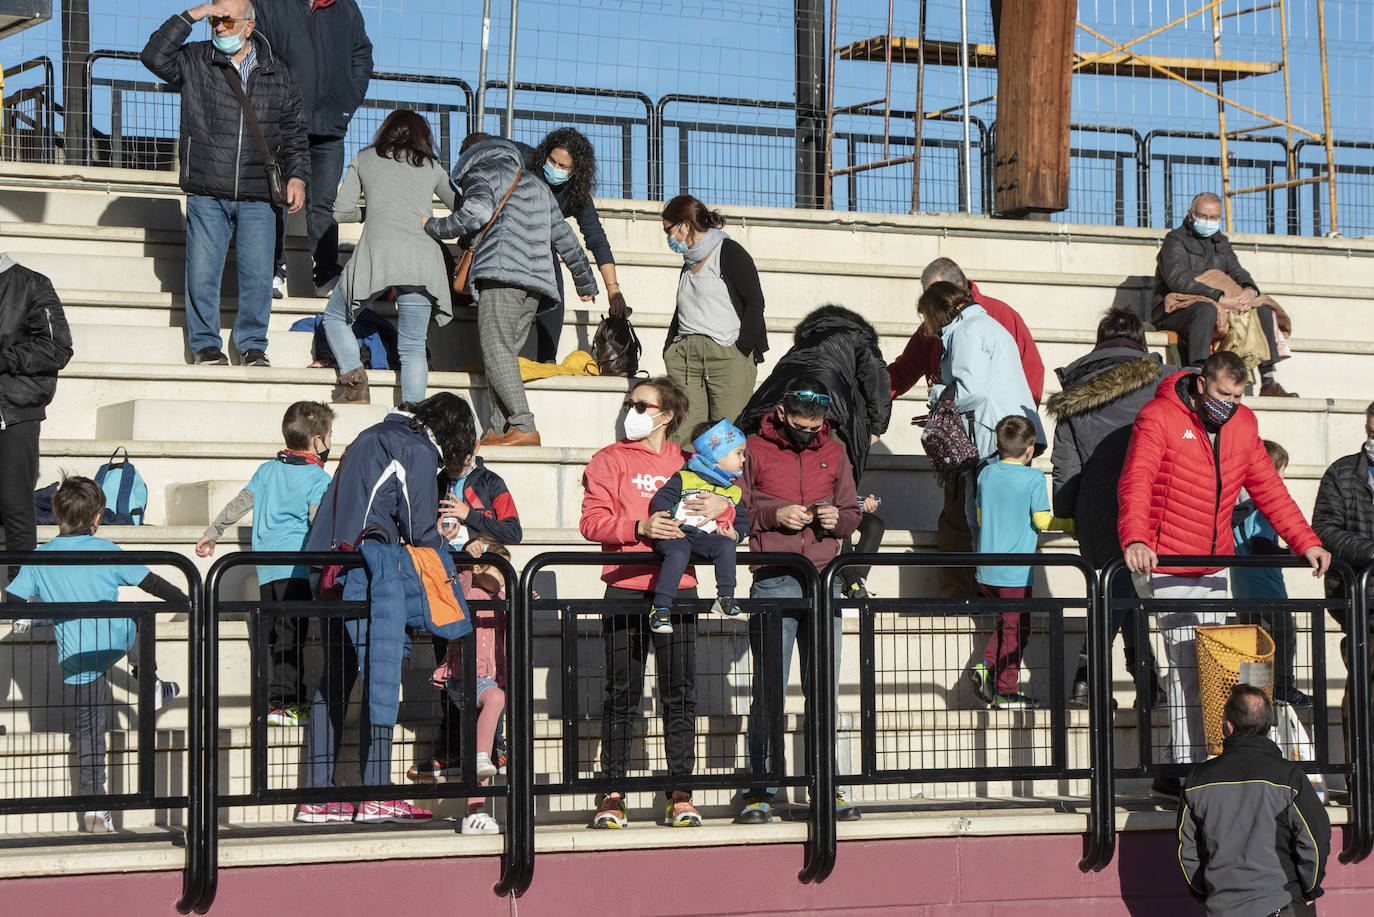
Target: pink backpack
{"points": [[947, 439]]}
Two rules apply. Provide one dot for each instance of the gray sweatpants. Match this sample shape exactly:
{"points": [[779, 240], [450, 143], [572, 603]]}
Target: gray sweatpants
{"points": [[1187, 740], [504, 316], [91, 699]]}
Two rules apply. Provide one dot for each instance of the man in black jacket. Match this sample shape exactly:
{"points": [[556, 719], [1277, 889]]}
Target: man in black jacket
{"points": [[1343, 519], [34, 344], [327, 47], [223, 171], [1253, 837], [1195, 246]]}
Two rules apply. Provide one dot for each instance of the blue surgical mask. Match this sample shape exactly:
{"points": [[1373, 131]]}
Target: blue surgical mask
{"points": [[229, 44], [1206, 228], [677, 245], [554, 175]]}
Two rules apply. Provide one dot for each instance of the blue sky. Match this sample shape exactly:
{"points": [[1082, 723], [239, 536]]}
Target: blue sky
{"points": [[729, 49]]}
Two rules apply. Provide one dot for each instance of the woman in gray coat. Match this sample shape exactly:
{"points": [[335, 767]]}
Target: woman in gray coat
{"points": [[398, 176]]}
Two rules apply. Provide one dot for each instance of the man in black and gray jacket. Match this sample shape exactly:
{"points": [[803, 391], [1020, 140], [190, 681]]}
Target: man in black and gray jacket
{"points": [[222, 168], [34, 344], [1253, 837]]}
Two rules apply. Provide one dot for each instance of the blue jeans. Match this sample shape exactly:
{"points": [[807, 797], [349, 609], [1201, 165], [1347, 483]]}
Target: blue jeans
{"points": [[757, 737], [210, 224], [412, 325]]}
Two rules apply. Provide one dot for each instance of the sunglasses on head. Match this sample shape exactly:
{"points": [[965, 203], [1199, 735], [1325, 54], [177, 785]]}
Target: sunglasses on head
{"points": [[808, 396], [640, 407], [227, 21]]}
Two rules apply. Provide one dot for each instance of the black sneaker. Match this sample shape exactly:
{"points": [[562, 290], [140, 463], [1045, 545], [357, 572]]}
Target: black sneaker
{"points": [[726, 606], [430, 771], [255, 357], [1292, 697], [212, 355], [1167, 789]]}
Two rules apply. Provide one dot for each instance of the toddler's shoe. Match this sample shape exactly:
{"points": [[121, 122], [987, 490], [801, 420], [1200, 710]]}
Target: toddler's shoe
{"points": [[430, 771], [97, 822], [659, 620], [846, 810], [479, 823], [1014, 701], [758, 810], [981, 680], [725, 605]]}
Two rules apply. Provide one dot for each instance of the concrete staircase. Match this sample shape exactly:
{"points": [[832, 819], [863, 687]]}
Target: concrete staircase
{"points": [[111, 240]]}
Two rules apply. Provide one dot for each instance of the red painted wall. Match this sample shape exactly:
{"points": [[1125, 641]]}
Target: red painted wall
{"points": [[973, 877]]}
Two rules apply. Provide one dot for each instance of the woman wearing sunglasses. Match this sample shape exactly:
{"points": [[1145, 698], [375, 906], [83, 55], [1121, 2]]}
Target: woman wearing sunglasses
{"points": [[618, 484], [717, 336]]}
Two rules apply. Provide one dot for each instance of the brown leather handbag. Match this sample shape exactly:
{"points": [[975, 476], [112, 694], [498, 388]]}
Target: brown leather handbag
{"points": [[463, 267]]}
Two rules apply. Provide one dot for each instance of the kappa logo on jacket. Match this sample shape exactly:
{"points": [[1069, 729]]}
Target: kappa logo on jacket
{"points": [[1188, 434]]}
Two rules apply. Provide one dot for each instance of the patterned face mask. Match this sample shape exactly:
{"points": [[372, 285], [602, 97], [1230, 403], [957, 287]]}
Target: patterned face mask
{"points": [[1218, 411]]}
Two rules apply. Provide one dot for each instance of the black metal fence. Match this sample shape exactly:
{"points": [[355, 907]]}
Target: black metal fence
{"points": [[737, 150], [895, 753]]}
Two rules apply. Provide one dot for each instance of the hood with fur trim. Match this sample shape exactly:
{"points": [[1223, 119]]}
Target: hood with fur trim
{"points": [[1100, 378]]}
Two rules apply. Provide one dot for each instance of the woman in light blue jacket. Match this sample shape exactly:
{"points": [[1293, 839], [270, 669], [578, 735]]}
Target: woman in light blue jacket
{"points": [[981, 366]]}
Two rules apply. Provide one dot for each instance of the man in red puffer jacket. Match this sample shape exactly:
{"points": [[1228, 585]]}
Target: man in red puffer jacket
{"points": [[1192, 450]]}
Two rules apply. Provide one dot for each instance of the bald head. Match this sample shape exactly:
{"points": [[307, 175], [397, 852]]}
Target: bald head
{"points": [[1248, 711], [1205, 206], [944, 269]]}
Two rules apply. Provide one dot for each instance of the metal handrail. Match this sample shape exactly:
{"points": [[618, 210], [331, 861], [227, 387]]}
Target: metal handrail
{"points": [[1103, 842], [49, 93], [192, 874], [210, 747], [819, 718]]}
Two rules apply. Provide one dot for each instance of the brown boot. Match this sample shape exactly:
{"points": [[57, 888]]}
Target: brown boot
{"points": [[353, 388]]}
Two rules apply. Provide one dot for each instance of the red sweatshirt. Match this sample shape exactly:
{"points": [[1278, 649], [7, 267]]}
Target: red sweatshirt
{"points": [[921, 358], [618, 484]]}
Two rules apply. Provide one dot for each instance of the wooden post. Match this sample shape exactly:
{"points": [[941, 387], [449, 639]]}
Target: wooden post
{"points": [[1221, 119], [1034, 82], [1326, 119]]}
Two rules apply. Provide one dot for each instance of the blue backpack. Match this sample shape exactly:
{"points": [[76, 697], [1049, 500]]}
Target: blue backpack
{"points": [[126, 494]]}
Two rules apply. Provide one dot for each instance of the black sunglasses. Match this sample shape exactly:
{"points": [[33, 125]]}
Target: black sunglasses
{"points": [[668, 230], [807, 396], [640, 406]]}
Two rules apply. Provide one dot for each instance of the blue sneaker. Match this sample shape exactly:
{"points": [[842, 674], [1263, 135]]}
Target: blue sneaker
{"points": [[981, 679], [659, 620], [726, 606], [758, 810]]}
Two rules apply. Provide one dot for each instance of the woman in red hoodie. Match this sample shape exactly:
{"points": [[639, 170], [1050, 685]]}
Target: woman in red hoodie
{"points": [[618, 484]]}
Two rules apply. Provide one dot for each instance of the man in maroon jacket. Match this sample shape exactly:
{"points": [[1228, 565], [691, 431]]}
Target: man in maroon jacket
{"points": [[799, 495], [1192, 450], [921, 360]]}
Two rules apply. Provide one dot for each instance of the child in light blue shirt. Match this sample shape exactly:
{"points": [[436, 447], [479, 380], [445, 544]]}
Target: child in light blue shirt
{"points": [[283, 495], [87, 648], [1013, 508]]}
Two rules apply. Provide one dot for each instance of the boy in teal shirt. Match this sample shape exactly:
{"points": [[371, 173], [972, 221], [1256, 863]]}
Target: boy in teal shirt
{"points": [[88, 647], [1013, 508], [283, 495]]}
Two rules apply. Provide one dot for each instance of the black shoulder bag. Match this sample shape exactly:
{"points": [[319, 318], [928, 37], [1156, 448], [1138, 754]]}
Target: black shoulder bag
{"points": [[276, 175]]}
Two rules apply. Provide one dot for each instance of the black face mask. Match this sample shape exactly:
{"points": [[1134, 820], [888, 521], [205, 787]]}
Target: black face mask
{"points": [[800, 438], [324, 456]]}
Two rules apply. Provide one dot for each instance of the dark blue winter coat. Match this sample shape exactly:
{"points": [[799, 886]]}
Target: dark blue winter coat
{"points": [[328, 49]]}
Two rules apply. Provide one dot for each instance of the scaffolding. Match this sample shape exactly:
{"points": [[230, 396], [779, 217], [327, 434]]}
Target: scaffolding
{"points": [[1118, 60]]}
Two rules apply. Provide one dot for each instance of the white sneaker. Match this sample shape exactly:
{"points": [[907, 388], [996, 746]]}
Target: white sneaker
{"points": [[21, 626], [97, 822], [485, 768], [163, 692], [480, 823], [278, 286]]}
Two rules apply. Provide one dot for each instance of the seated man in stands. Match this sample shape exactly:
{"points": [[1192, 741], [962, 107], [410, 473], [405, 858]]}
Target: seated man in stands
{"points": [[921, 360], [1199, 288]]}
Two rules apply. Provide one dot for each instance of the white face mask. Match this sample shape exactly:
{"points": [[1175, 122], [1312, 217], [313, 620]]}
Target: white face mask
{"points": [[639, 426], [1369, 450]]}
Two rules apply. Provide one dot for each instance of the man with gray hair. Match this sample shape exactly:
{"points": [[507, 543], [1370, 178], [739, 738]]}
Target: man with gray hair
{"points": [[1199, 285], [1253, 838], [223, 169], [921, 360]]}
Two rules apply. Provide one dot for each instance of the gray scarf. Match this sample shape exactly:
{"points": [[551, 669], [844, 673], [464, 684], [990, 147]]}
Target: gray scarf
{"points": [[705, 245]]}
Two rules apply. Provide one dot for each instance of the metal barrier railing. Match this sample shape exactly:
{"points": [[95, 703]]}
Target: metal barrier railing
{"points": [[44, 97], [817, 775], [1058, 765], [260, 792], [144, 794], [1355, 767]]}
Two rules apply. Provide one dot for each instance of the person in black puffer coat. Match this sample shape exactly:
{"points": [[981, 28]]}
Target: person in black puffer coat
{"points": [[222, 168], [1094, 411], [839, 349], [34, 344]]}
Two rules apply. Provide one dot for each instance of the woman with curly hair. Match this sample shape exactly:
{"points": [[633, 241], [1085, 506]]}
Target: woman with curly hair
{"points": [[567, 162]]}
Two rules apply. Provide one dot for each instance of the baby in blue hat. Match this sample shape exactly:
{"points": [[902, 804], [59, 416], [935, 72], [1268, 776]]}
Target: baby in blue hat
{"points": [[717, 464]]}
